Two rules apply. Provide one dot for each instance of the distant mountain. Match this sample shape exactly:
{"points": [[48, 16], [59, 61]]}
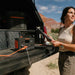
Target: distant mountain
{"points": [[49, 23]]}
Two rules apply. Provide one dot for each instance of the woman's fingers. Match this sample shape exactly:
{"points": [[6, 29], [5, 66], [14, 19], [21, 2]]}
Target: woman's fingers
{"points": [[56, 43]]}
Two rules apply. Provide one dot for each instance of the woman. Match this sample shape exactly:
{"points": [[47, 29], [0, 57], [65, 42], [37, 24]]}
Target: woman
{"points": [[66, 42]]}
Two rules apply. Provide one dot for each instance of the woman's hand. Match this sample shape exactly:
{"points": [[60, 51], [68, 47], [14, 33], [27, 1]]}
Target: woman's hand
{"points": [[56, 43], [50, 38]]}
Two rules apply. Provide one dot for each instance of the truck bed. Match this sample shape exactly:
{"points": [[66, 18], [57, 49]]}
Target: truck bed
{"points": [[20, 59]]}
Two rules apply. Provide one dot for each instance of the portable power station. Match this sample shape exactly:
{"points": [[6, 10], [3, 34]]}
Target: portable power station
{"points": [[21, 42]]}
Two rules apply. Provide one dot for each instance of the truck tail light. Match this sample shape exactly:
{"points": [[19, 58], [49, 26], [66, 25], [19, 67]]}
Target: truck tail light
{"points": [[45, 30], [16, 44]]}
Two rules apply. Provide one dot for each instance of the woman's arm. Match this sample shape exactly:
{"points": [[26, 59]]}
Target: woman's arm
{"points": [[50, 38], [70, 47]]}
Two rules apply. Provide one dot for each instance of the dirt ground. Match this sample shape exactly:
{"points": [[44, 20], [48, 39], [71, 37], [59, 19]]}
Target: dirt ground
{"points": [[40, 67]]}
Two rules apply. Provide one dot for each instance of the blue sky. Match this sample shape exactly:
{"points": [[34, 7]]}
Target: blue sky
{"points": [[53, 8]]}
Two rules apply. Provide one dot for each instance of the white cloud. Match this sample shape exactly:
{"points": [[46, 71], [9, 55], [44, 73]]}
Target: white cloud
{"points": [[54, 8], [59, 11], [61, 0], [43, 8], [49, 9]]}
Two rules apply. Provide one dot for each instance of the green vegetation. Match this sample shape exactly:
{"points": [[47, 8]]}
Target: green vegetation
{"points": [[52, 66], [55, 30], [54, 35]]}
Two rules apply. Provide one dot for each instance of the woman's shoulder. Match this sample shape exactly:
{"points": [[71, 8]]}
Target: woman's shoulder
{"points": [[74, 28], [61, 28], [73, 34]]}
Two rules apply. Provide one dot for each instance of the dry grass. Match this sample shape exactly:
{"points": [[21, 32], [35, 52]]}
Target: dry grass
{"points": [[52, 65]]}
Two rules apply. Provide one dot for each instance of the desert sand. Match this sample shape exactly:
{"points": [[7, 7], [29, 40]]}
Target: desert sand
{"points": [[41, 68]]}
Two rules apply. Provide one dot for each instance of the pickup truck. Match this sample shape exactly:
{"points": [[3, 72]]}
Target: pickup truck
{"points": [[20, 43]]}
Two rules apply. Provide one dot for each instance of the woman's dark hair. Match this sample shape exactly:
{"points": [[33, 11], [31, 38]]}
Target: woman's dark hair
{"points": [[65, 10]]}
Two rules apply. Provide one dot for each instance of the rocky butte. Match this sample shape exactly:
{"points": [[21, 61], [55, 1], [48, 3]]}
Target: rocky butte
{"points": [[49, 23]]}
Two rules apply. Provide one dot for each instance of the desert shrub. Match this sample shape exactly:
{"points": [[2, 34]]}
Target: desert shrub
{"points": [[52, 65], [55, 30]]}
